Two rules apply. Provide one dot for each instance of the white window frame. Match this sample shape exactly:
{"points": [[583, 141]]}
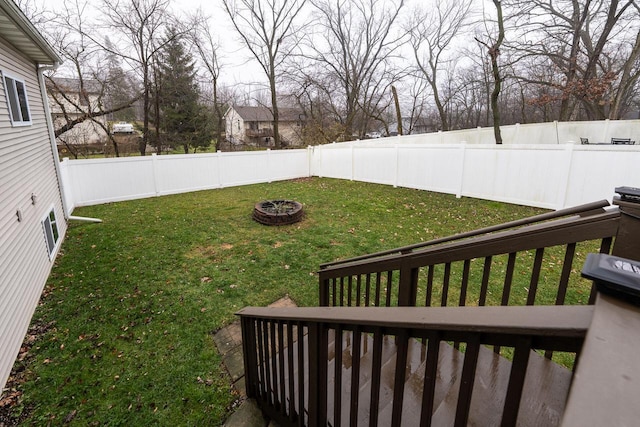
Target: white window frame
{"points": [[51, 232], [17, 105]]}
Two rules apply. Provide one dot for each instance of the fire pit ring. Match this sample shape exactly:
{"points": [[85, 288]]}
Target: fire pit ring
{"points": [[278, 212]]}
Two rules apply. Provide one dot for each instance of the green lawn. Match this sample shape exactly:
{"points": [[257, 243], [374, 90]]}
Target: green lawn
{"points": [[131, 305]]}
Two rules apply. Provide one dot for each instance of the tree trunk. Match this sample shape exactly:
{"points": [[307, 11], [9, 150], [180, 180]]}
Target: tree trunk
{"points": [[274, 106], [116, 151], [627, 81], [219, 114], [494, 51], [142, 146], [577, 21], [398, 113]]}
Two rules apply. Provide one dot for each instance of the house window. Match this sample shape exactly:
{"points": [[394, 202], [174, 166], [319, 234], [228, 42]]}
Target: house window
{"points": [[16, 94], [51, 234]]}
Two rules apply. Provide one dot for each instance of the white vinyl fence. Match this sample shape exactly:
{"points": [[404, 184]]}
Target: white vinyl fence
{"points": [[548, 176], [544, 174], [91, 182]]}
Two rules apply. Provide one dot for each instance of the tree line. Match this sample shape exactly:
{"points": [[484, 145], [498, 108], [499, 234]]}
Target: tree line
{"points": [[453, 64]]}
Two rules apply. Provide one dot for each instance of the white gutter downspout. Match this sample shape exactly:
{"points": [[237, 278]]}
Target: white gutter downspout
{"points": [[52, 140]]}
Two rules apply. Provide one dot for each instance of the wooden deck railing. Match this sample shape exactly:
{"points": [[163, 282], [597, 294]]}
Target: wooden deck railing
{"points": [[290, 363], [344, 364], [480, 270]]}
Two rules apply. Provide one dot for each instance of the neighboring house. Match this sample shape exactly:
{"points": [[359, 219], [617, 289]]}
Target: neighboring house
{"points": [[254, 126], [32, 214], [68, 100], [413, 126], [420, 125], [410, 126]]}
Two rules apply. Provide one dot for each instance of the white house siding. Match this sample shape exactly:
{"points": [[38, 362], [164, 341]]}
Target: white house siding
{"points": [[234, 127], [292, 132], [27, 167]]}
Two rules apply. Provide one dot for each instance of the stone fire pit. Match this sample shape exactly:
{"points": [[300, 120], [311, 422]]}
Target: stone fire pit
{"points": [[278, 212]]}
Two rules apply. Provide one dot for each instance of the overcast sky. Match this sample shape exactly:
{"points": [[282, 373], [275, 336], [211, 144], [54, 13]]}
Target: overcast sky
{"points": [[238, 67]]}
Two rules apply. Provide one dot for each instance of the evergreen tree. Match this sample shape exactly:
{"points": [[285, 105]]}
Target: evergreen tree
{"points": [[181, 116]]}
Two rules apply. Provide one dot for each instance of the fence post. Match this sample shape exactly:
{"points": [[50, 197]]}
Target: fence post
{"points": [[269, 175], [219, 167], [353, 160], [463, 148], [154, 170], [566, 181], [397, 151]]}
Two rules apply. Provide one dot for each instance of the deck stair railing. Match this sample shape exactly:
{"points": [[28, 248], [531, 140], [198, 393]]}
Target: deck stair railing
{"points": [[398, 339], [490, 258], [340, 366]]}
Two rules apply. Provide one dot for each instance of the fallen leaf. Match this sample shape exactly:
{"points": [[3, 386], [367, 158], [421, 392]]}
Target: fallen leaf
{"points": [[70, 416]]}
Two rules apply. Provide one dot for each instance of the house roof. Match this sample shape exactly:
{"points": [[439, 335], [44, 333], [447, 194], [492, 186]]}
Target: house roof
{"points": [[16, 28], [72, 85], [263, 114]]}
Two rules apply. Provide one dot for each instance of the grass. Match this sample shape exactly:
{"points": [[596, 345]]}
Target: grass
{"points": [[128, 312]]}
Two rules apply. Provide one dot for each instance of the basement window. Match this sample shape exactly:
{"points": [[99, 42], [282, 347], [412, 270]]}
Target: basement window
{"points": [[16, 93], [51, 234]]}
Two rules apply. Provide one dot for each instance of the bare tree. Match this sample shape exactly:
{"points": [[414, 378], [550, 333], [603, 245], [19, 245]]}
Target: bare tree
{"points": [[493, 50], [432, 32], [138, 26], [208, 49], [417, 92], [628, 77], [37, 15], [85, 94], [593, 46], [352, 58], [264, 26]]}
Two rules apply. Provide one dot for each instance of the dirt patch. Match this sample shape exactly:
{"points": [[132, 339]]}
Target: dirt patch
{"points": [[306, 179], [12, 410], [208, 252]]}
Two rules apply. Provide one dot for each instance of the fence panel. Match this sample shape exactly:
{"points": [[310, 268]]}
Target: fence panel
{"points": [[540, 165], [183, 173], [93, 182], [596, 171], [526, 175], [434, 167], [90, 182]]}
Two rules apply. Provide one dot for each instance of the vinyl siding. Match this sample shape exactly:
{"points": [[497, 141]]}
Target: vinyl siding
{"points": [[26, 167]]}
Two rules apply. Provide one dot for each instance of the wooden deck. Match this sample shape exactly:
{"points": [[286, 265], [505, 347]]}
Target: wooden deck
{"points": [[376, 354]]}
